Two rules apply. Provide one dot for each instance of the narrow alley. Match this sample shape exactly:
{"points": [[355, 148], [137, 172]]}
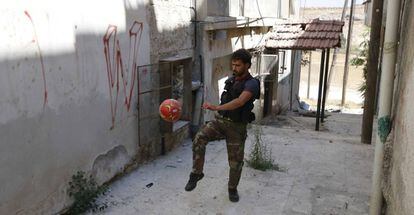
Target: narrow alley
{"points": [[99, 101]]}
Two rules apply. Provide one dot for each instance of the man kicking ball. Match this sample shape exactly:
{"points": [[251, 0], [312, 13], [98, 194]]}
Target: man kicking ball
{"points": [[234, 113]]}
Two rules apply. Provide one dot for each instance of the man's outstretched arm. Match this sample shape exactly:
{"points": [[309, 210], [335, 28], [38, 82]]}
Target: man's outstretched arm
{"points": [[234, 104]]}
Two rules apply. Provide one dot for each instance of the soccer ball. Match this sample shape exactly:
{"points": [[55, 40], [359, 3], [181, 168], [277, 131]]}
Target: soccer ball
{"points": [[170, 110]]}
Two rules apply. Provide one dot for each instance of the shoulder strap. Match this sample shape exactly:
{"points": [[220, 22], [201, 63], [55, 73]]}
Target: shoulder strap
{"points": [[229, 83]]}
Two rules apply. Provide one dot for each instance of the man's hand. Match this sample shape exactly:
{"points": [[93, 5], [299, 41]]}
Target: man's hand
{"points": [[209, 106]]}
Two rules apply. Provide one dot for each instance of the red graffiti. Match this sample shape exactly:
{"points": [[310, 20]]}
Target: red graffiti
{"points": [[115, 65], [41, 58]]}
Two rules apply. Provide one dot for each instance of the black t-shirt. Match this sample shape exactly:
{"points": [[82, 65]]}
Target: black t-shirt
{"points": [[252, 85]]}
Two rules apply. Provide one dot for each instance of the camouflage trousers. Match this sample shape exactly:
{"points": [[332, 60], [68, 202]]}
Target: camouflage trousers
{"points": [[235, 135]]}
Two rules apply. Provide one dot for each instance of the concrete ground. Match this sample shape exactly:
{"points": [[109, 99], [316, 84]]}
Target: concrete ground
{"points": [[328, 172]]}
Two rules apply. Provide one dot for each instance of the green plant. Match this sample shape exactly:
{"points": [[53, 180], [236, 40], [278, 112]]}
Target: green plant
{"points": [[84, 191], [261, 155], [306, 55], [361, 60]]}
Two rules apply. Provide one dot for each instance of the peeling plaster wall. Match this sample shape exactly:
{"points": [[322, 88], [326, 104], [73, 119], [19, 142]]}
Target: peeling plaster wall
{"points": [[56, 96], [399, 186], [172, 36], [171, 29]]}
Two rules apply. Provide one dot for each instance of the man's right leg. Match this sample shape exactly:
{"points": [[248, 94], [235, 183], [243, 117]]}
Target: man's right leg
{"points": [[209, 132]]}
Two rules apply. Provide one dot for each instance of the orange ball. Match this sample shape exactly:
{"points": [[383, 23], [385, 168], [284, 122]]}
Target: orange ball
{"points": [[170, 110]]}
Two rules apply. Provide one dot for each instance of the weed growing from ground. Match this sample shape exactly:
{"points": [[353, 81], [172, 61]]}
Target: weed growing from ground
{"points": [[261, 154], [84, 191], [361, 60]]}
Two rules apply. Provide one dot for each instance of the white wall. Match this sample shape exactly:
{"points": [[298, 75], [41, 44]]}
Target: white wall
{"points": [[55, 97], [246, 8], [260, 8]]}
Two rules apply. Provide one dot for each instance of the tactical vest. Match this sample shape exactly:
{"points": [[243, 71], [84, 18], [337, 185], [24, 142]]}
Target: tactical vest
{"points": [[232, 90]]}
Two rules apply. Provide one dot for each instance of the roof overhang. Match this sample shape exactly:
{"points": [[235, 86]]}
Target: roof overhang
{"points": [[312, 35]]}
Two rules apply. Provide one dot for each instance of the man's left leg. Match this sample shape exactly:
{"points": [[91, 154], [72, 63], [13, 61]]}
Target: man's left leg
{"points": [[209, 132], [235, 149]]}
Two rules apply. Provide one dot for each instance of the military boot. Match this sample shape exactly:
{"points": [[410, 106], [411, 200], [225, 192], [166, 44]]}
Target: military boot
{"points": [[192, 183], [233, 195]]}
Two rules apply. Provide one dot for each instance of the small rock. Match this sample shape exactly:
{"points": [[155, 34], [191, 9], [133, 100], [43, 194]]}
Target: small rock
{"points": [[179, 160], [149, 185]]}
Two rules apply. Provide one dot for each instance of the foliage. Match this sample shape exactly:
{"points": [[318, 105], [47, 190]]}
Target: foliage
{"points": [[85, 192], [361, 60], [306, 55], [261, 155]]}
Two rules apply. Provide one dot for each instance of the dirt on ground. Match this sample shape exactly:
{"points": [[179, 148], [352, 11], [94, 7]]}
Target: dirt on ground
{"points": [[326, 172]]}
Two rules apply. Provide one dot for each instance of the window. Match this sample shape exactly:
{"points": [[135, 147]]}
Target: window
{"points": [[268, 64], [175, 82]]}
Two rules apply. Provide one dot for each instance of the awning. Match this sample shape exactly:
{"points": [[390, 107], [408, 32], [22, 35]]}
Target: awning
{"points": [[315, 34]]}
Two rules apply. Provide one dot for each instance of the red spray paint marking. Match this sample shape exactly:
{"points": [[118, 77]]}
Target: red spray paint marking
{"points": [[115, 64], [41, 58], [110, 32]]}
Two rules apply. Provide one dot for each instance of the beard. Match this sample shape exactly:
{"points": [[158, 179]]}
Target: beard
{"points": [[238, 74]]}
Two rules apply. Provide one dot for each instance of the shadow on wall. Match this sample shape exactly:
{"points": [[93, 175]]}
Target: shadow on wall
{"points": [[62, 110]]}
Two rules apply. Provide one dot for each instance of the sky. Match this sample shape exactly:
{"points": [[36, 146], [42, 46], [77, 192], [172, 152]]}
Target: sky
{"points": [[325, 3]]}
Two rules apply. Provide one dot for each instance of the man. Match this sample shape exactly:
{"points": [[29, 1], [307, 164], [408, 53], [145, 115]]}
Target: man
{"points": [[234, 112]]}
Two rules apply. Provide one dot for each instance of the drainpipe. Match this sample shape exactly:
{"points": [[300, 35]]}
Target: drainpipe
{"points": [[385, 101]]}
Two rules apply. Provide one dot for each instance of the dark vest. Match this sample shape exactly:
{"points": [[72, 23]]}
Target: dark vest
{"points": [[232, 90]]}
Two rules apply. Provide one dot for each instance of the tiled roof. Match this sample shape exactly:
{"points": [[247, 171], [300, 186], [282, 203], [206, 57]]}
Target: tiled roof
{"points": [[316, 34]]}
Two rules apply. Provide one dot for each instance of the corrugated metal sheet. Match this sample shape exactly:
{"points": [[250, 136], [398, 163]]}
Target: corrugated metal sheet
{"points": [[316, 34]]}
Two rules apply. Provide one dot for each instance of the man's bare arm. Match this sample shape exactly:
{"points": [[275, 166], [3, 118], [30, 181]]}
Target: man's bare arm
{"points": [[234, 104]]}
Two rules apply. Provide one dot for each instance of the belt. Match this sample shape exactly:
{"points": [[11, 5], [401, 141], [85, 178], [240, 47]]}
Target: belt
{"points": [[218, 116]]}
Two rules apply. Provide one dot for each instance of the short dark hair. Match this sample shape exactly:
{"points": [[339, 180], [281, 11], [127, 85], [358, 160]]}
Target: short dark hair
{"points": [[243, 55]]}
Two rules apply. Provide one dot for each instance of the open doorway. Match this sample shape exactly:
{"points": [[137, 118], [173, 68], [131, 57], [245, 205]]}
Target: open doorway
{"points": [[176, 73]]}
